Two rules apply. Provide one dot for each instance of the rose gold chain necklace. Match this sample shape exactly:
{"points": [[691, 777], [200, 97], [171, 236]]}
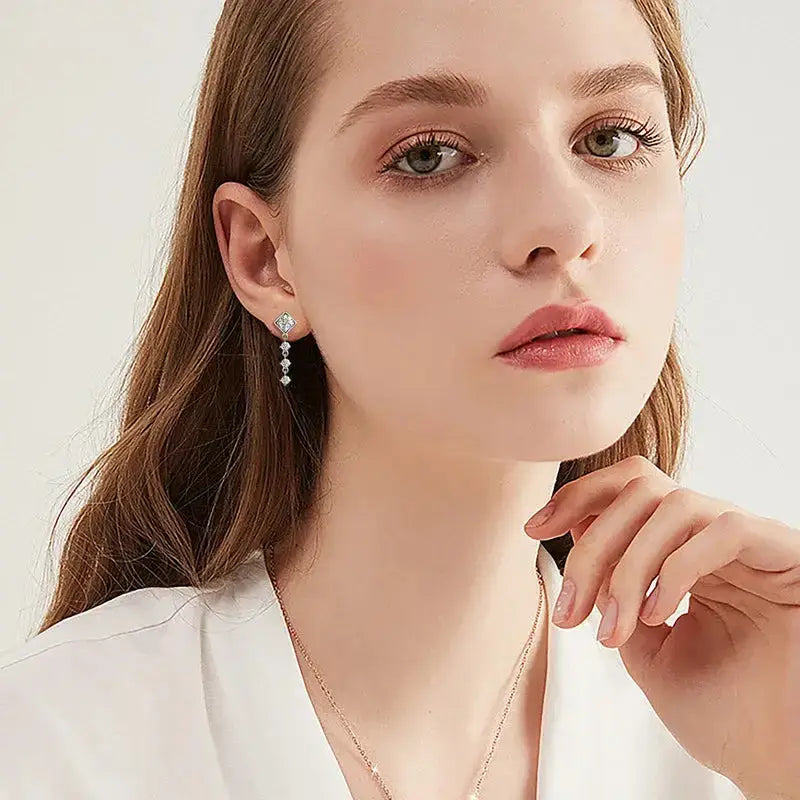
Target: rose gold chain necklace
{"points": [[348, 727]]}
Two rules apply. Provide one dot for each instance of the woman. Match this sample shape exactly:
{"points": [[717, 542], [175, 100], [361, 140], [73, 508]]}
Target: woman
{"points": [[303, 570]]}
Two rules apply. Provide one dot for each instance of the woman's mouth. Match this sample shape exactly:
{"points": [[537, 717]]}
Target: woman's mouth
{"points": [[560, 350]]}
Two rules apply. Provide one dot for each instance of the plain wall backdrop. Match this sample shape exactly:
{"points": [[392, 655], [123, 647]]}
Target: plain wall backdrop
{"points": [[97, 102]]}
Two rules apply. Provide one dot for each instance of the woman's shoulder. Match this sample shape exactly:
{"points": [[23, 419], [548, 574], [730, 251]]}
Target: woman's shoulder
{"points": [[86, 702], [108, 627], [142, 623]]}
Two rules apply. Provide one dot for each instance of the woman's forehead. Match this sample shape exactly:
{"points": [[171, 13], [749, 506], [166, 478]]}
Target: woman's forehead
{"points": [[473, 52]]}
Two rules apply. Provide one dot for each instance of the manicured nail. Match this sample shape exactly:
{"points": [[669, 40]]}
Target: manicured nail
{"points": [[649, 605], [609, 622], [565, 600], [541, 516]]}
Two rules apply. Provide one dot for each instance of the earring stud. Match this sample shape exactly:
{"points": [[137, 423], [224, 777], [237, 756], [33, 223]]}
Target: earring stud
{"points": [[285, 322]]}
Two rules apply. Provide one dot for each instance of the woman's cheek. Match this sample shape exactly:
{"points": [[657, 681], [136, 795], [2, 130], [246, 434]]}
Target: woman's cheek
{"points": [[392, 267]]}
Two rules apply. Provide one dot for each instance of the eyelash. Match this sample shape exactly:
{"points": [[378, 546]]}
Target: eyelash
{"points": [[648, 134]]}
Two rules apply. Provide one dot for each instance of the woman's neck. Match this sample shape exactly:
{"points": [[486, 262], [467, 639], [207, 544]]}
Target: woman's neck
{"points": [[414, 591]]}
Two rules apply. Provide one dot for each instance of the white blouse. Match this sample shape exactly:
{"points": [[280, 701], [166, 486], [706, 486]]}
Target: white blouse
{"points": [[180, 694]]}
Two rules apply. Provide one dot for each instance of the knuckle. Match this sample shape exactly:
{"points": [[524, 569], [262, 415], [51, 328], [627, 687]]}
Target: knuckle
{"points": [[680, 498], [647, 485], [732, 517]]}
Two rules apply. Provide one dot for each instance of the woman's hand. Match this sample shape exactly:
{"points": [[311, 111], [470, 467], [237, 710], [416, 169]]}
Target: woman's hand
{"points": [[725, 678]]}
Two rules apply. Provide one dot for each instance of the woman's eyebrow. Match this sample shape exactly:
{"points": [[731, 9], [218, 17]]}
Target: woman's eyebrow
{"points": [[446, 88]]}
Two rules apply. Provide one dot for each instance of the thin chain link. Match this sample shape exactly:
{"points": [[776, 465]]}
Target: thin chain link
{"points": [[370, 764]]}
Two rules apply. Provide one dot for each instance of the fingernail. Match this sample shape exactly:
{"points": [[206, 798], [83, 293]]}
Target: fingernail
{"points": [[649, 605], [609, 622], [564, 603], [541, 516]]}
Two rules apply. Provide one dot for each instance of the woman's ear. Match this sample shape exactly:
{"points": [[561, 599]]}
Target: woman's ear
{"points": [[248, 236]]}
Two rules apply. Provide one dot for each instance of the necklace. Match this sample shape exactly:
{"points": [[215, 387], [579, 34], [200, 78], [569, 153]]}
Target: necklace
{"points": [[475, 795]]}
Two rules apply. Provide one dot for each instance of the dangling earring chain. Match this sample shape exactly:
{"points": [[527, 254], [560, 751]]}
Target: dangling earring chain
{"points": [[285, 323]]}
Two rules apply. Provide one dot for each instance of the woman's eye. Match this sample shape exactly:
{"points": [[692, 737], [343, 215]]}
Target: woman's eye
{"points": [[605, 143], [616, 144], [422, 157]]}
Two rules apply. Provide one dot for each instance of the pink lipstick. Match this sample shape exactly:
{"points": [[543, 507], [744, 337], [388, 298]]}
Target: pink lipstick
{"points": [[558, 337]]}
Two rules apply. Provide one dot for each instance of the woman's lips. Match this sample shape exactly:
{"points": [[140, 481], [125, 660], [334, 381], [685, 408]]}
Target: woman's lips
{"points": [[563, 352], [560, 317]]}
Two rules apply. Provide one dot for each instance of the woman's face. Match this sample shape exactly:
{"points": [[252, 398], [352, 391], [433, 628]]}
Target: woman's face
{"points": [[410, 268]]}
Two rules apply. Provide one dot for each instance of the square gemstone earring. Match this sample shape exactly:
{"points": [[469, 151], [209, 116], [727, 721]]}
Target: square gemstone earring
{"points": [[285, 322]]}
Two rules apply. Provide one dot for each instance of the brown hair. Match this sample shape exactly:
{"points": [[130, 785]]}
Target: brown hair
{"points": [[214, 457]]}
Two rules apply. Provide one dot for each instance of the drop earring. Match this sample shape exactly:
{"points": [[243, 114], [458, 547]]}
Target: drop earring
{"points": [[285, 322]]}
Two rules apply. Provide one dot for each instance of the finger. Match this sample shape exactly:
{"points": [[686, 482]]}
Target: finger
{"points": [[579, 499], [578, 530], [729, 538], [679, 515], [604, 592], [606, 540]]}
